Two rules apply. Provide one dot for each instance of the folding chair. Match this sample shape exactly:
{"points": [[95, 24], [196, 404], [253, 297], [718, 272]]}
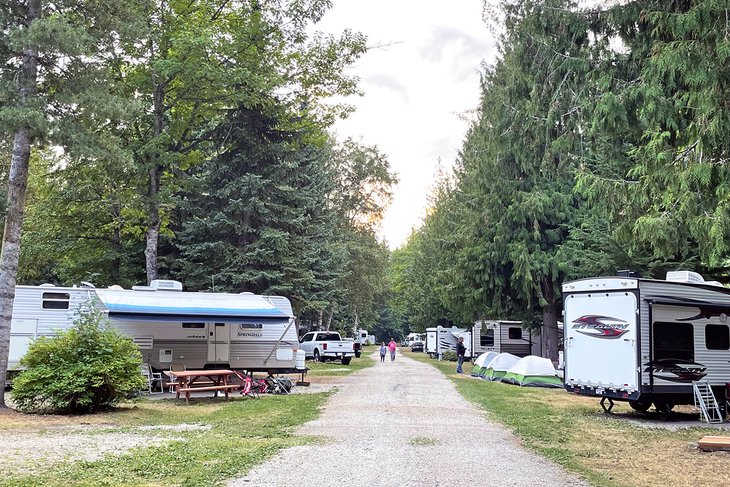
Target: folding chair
{"points": [[151, 377], [172, 381]]}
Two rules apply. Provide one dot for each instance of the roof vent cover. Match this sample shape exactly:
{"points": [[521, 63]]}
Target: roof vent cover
{"points": [[684, 276]]}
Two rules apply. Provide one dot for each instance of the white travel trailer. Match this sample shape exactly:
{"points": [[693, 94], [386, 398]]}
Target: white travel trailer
{"points": [[411, 338], [646, 341], [199, 330], [440, 340], [500, 336]]}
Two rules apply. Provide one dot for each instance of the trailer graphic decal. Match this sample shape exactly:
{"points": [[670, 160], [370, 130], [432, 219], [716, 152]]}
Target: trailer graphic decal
{"points": [[600, 326], [675, 370]]}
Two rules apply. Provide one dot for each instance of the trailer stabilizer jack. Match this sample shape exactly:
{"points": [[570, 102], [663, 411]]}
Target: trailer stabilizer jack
{"points": [[607, 409]]}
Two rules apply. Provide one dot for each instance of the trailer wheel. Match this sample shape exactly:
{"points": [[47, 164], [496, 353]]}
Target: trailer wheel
{"points": [[640, 406]]}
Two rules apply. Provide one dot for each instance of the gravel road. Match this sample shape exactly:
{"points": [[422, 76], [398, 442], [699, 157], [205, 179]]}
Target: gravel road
{"points": [[404, 424]]}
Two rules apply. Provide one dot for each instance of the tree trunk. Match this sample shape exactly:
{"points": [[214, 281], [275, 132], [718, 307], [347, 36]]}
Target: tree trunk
{"points": [[356, 325], [550, 320], [320, 320], [330, 312], [17, 184], [152, 234]]}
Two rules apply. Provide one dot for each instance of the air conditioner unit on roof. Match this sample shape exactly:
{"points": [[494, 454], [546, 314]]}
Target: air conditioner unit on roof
{"points": [[684, 276], [166, 285]]}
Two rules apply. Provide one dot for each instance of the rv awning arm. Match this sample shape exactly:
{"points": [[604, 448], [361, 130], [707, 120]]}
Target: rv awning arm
{"points": [[276, 345]]}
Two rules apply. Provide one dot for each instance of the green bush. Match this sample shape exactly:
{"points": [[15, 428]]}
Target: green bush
{"points": [[87, 368], [450, 356]]}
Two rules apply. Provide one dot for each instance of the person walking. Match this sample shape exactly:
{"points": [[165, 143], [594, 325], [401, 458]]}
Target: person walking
{"points": [[392, 346], [460, 354], [383, 349]]}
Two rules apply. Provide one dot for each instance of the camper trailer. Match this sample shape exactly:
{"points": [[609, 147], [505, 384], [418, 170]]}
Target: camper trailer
{"points": [[198, 330], [440, 340], [499, 336], [646, 341], [411, 338]]}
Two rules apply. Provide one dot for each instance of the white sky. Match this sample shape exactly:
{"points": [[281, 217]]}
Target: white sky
{"points": [[415, 90]]}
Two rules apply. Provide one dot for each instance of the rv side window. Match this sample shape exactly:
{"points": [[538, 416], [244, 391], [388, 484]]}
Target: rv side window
{"points": [[56, 300], [487, 338], [717, 337], [515, 333], [193, 325], [674, 341]]}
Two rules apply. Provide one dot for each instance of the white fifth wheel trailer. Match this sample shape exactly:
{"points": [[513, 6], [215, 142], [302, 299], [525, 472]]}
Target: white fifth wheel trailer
{"points": [[198, 330], [645, 341], [440, 340]]}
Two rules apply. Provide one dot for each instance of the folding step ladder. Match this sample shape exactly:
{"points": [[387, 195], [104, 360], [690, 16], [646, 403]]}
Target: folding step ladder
{"points": [[705, 401]]}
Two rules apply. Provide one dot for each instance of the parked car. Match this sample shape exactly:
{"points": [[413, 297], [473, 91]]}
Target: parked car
{"points": [[327, 345], [417, 347]]}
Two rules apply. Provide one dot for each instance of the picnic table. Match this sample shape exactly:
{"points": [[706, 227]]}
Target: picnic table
{"points": [[187, 381]]}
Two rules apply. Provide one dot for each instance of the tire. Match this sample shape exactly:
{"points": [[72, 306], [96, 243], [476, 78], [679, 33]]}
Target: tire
{"points": [[640, 406], [346, 360], [357, 354], [317, 356]]}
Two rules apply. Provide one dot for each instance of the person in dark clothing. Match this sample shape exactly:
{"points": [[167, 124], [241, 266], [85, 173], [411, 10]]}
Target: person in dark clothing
{"points": [[460, 353]]}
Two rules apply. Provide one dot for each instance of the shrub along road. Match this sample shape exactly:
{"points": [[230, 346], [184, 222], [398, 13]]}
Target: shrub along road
{"points": [[404, 423]]}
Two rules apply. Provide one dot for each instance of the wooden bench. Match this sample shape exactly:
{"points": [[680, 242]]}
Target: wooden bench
{"points": [[209, 388]]}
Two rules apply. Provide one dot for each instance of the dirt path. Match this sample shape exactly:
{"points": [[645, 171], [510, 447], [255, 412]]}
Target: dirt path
{"points": [[404, 424]]}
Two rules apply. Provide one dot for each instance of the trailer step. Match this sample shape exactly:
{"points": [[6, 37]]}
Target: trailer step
{"points": [[706, 402]]}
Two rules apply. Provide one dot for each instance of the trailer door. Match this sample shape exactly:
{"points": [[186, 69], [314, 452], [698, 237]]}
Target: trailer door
{"points": [[219, 343], [600, 340]]}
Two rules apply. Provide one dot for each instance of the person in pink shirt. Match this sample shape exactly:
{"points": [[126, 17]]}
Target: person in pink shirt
{"points": [[392, 346]]}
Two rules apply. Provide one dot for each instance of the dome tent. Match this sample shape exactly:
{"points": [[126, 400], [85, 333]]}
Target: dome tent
{"points": [[499, 366], [480, 364], [533, 371]]}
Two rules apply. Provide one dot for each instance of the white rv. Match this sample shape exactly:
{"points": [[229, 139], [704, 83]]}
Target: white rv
{"points": [[645, 341], [440, 340], [411, 338], [199, 330]]}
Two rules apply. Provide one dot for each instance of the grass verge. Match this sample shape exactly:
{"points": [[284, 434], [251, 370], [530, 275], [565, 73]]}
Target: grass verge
{"points": [[336, 368], [623, 449], [241, 434]]}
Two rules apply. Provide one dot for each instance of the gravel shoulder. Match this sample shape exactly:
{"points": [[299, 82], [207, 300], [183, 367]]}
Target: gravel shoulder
{"points": [[404, 423]]}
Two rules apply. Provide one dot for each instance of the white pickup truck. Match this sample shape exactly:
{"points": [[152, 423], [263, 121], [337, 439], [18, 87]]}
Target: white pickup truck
{"points": [[327, 345]]}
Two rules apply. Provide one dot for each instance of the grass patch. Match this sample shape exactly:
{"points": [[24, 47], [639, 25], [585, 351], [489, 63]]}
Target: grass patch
{"points": [[243, 433], [422, 441], [336, 368], [606, 450]]}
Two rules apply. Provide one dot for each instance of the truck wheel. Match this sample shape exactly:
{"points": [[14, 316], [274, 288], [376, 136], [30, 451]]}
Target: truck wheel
{"points": [[346, 360], [640, 406], [317, 356], [357, 354]]}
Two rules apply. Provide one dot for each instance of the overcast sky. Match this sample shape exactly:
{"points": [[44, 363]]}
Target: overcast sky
{"points": [[415, 89]]}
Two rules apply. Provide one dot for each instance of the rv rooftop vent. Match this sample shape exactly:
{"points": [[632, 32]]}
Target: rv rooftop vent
{"points": [[684, 276], [87, 284], [47, 284], [166, 285], [116, 287], [247, 293]]}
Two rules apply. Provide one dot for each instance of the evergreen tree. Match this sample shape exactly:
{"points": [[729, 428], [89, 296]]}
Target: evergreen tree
{"points": [[257, 217]]}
